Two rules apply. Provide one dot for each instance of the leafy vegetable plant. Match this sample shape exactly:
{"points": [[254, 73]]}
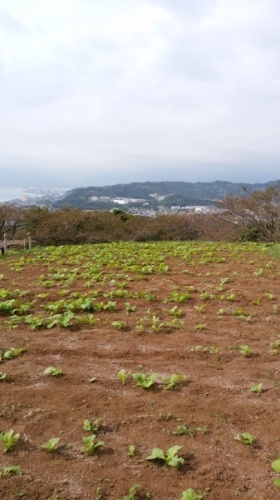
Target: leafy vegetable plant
{"points": [[276, 467], [9, 439], [51, 370], [12, 469], [170, 457], [143, 380], [92, 426], [173, 381], [131, 450], [13, 352], [50, 445], [190, 494], [90, 446], [123, 375], [182, 430], [132, 492], [257, 388], [245, 350], [245, 438]]}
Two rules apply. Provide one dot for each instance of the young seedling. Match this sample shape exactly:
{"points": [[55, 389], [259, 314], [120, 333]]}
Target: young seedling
{"points": [[182, 430], [55, 372], [131, 450], [90, 446], [120, 325], [2, 375], [276, 467], [175, 311], [9, 439], [274, 347], [50, 445], [92, 426], [174, 381], [257, 388], [130, 309], [170, 457], [200, 309], [245, 350], [143, 380], [13, 352], [191, 494], [165, 416], [132, 492], [12, 469], [123, 375], [245, 438], [200, 326]]}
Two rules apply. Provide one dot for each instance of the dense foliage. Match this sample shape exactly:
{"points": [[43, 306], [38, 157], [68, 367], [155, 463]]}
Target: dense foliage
{"points": [[254, 217]]}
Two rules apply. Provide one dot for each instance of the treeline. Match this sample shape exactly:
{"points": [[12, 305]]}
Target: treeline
{"points": [[255, 217]]}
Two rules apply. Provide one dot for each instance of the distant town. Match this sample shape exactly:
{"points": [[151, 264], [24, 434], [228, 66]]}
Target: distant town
{"points": [[147, 198]]}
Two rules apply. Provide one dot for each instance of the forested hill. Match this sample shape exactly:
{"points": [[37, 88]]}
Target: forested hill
{"points": [[157, 193]]}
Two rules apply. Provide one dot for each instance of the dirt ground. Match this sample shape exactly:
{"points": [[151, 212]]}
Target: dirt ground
{"points": [[228, 296]]}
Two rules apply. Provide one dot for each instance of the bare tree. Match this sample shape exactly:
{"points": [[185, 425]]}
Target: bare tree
{"points": [[256, 217]]}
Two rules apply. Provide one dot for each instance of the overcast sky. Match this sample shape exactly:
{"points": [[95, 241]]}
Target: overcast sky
{"points": [[98, 92]]}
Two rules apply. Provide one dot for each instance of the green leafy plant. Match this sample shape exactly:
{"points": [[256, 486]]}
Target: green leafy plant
{"points": [[120, 325], [9, 439], [274, 347], [276, 467], [144, 381], [12, 469], [165, 416], [200, 309], [182, 430], [132, 492], [169, 457], [50, 445], [175, 311], [245, 350], [123, 375], [51, 370], [13, 352], [2, 375], [92, 426], [90, 445], [200, 326], [179, 297], [245, 438], [174, 381], [130, 309], [131, 450], [191, 494], [257, 388]]}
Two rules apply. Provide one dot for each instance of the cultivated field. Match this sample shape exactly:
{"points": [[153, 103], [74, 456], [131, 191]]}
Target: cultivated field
{"points": [[124, 351]]}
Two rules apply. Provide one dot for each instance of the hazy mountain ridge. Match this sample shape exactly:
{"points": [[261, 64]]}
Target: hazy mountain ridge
{"points": [[172, 193]]}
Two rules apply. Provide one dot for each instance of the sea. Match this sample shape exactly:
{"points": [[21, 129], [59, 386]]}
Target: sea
{"points": [[11, 193]]}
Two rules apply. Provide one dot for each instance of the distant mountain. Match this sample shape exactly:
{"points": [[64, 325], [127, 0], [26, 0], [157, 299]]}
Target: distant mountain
{"points": [[154, 194]]}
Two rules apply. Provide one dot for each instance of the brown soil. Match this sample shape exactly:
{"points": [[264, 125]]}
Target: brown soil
{"points": [[215, 396]]}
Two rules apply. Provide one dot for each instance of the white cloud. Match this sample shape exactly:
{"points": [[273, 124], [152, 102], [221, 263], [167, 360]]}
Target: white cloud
{"points": [[129, 89]]}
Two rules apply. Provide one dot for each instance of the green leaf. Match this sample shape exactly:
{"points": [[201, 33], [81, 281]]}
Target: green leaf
{"points": [[171, 452], [12, 469], [277, 481], [276, 465], [176, 462], [189, 494], [157, 453]]}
